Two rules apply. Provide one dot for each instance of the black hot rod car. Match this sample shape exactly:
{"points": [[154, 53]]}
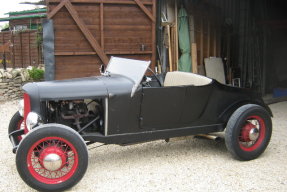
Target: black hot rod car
{"points": [[58, 119]]}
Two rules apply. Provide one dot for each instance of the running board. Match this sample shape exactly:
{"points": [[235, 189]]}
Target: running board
{"points": [[151, 135]]}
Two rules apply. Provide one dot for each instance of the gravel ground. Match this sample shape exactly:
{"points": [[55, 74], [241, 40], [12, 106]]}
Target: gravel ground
{"points": [[180, 165]]}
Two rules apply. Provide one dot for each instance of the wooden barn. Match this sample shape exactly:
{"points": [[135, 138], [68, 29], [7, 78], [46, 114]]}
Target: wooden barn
{"points": [[87, 33], [80, 35]]}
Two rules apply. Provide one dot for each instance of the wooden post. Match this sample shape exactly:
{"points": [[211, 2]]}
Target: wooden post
{"points": [[192, 41], [102, 24], [169, 48], [159, 67], [201, 41], [13, 50], [21, 50], [174, 48], [218, 37], [215, 43], [194, 57], [29, 47], [3, 40], [2, 52], [191, 29], [39, 53], [176, 35], [208, 39], [153, 57]]}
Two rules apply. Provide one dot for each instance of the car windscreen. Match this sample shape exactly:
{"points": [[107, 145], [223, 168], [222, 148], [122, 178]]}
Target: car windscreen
{"points": [[131, 68]]}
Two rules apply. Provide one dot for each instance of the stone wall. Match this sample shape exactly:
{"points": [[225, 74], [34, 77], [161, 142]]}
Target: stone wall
{"points": [[11, 82], [11, 89]]}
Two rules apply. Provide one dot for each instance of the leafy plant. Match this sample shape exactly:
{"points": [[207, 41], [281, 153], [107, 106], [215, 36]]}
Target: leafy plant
{"points": [[36, 74], [5, 26], [39, 38]]}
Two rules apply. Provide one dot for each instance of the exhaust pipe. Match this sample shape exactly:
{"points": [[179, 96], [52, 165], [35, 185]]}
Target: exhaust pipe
{"points": [[211, 137]]}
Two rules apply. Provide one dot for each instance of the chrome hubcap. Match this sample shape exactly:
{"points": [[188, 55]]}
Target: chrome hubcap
{"points": [[52, 162], [253, 134]]}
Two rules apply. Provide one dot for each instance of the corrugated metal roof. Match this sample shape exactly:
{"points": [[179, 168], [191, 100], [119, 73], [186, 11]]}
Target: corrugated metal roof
{"points": [[24, 17], [27, 11]]}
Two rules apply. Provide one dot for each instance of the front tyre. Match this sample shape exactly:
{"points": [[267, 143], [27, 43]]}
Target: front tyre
{"points": [[16, 123], [52, 157], [248, 132]]}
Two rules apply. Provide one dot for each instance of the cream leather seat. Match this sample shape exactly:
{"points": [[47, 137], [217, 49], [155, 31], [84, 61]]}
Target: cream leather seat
{"points": [[178, 78]]}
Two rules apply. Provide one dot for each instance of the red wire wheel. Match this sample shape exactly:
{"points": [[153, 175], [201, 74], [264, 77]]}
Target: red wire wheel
{"points": [[52, 157], [252, 133], [248, 132], [52, 160]]}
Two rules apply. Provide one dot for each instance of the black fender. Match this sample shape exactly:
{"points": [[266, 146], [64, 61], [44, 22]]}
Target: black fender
{"points": [[226, 114]]}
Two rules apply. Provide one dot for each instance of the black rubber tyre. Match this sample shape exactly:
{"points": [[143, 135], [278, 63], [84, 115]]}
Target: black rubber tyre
{"points": [[238, 129], [15, 124], [46, 140]]}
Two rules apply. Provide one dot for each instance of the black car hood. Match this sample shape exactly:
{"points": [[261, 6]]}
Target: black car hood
{"points": [[90, 87]]}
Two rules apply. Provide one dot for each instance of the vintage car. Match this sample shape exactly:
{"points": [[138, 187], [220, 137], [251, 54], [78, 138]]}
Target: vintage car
{"points": [[58, 119]]}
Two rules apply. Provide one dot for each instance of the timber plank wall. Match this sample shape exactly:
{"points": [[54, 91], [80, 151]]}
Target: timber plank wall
{"points": [[23, 50], [88, 32]]}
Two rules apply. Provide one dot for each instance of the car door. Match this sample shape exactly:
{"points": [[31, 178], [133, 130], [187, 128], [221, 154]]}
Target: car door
{"points": [[161, 107]]}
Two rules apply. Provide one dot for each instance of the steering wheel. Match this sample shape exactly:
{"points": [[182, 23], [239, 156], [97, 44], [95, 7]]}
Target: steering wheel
{"points": [[154, 75]]}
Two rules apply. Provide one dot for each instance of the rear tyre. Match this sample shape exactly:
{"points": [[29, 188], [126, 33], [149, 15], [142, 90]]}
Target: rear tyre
{"points": [[16, 123], [248, 132], [52, 157]]}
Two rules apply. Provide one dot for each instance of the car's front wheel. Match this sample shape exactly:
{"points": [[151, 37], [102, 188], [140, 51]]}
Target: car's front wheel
{"points": [[52, 158], [248, 132], [16, 123]]}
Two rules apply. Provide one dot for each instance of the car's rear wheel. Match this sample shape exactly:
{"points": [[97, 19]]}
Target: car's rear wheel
{"points": [[52, 158], [16, 123], [248, 132]]}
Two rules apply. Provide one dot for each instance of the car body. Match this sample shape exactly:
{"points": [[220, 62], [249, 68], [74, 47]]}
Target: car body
{"points": [[122, 106]]}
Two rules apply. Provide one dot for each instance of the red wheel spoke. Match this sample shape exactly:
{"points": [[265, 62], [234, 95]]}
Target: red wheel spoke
{"points": [[59, 143], [71, 155], [34, 165], [64, 172], [52, 145], [66, 148], [56, 174]]}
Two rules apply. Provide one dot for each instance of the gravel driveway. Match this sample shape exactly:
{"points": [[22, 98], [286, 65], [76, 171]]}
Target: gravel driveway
{"points": [[180, 165]]}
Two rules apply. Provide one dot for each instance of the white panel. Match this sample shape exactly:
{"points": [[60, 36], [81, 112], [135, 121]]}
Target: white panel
{"points": [[214, 69], [131, 68]]}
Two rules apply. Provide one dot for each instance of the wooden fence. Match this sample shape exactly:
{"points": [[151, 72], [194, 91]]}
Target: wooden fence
{"points": [[25, 48]]}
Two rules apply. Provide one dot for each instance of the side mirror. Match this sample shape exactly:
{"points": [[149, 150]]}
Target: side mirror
{"points": [[102, 69]]}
